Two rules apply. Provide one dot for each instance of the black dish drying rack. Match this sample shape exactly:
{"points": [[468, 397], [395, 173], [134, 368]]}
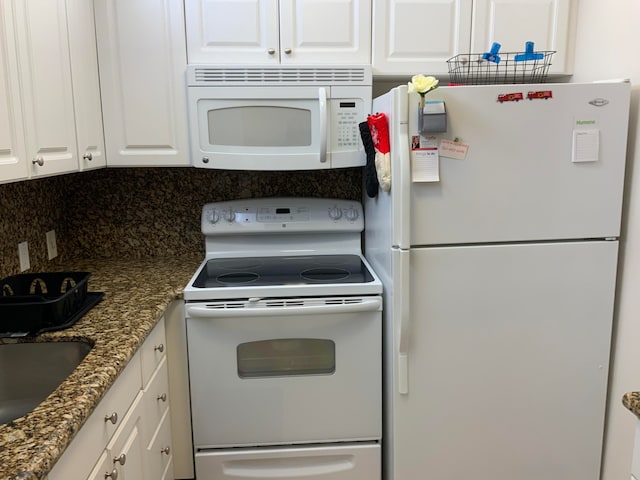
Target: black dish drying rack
{"points": [[31, 304]]}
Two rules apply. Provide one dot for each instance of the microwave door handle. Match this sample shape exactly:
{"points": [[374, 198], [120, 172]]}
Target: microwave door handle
{"points": [[322, 100]]}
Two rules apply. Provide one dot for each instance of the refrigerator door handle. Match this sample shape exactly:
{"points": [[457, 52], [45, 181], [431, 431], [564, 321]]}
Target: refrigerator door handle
{"points": [[402, 174], [403, 314]]}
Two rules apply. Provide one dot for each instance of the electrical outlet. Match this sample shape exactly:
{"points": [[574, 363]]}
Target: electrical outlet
{"points": [[23, 253], [52, 247]]}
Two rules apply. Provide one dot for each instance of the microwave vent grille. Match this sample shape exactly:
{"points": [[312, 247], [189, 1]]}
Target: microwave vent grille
{"points": [[208, 75]]}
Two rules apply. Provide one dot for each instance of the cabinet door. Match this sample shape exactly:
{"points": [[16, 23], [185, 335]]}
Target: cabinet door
{"points": [[86, 84], [142, 60], [45, 79], [514, 22], [13, 164], [104, 469], [127, 447], [317, 31], [228, 31], [419, 36]]}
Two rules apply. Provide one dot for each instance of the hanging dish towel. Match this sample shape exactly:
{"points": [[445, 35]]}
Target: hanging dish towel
{"points": [[380, 135], [371, 184]]}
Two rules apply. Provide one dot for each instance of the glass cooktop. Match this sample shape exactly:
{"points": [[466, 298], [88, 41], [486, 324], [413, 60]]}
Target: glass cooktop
{"points": [[294, 270]]}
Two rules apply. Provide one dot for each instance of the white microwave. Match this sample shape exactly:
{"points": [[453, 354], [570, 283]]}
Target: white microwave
{"points": [[277, 118]]}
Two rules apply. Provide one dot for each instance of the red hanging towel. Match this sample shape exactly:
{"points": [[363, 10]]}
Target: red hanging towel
{"points": [[379, 128]]}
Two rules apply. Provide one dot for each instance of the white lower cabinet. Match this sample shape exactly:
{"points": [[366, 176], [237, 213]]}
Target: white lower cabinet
{"points": [[128, 436]]}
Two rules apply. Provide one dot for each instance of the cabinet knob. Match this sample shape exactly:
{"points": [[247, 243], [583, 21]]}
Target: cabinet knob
{"points": [[205, 159], [38, 161], [113, 475], [166, 450], [162, 397], [287, 51], [122, 459], [159, 348], [113, 418], [88, 156], [271, 51]]}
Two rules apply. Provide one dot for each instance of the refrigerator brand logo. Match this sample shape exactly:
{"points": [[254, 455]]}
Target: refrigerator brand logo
{"points": [[599, 102], [585, 122]]}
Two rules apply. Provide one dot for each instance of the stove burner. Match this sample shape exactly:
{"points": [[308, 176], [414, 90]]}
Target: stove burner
{"points": [[237, 278], [324, 274]]}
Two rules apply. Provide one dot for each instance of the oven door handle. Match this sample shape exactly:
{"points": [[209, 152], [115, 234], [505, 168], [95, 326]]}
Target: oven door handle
{"points": [[368, 305]]}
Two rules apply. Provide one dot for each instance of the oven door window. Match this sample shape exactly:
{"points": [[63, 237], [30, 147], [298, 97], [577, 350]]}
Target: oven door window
{"points": [[286, 357]]}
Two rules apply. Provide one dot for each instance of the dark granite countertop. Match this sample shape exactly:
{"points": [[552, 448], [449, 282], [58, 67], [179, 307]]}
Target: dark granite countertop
{"points": [[631, 400], [137, 293]]}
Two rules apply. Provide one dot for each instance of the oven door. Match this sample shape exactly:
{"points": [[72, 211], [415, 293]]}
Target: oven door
{"points": [[285, 371]]}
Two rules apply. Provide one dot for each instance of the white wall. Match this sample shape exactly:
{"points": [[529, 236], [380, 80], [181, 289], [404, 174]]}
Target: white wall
{"points": [[608, 46]]}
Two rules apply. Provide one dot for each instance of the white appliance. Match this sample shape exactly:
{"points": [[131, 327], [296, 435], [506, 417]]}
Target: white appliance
{"points": [[284, 335], [499, 279], [277, 117]]}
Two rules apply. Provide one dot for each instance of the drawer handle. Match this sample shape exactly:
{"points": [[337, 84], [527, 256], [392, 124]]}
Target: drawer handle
{"points": [[113, 475], [162, 397], [122, 459], [39, 160], [87, 156], [113, 418], [166, 450], [159, 348]]}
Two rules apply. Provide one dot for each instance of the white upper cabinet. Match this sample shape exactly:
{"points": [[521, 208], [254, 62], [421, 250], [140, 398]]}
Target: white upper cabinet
{"points": [[142, 60], [13, 164], [45, 82], [512, 23], [273, 32], [419, 36], [86, 84]]}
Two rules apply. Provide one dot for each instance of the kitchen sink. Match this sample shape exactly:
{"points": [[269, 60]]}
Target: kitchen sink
{"points": [[29, 372]]}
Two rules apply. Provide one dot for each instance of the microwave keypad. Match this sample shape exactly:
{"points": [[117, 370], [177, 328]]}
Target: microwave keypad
{"points": [[347, 129]]}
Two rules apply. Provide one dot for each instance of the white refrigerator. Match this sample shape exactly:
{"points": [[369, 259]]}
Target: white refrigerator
{"points": [[497, 246]]}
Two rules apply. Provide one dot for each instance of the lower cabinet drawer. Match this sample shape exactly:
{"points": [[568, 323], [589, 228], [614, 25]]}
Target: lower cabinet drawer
{"points": [[156, 400], [348, 462], [159, 451]]}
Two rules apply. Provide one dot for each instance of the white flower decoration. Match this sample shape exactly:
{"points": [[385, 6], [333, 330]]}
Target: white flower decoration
{"points": [[422, 85]]}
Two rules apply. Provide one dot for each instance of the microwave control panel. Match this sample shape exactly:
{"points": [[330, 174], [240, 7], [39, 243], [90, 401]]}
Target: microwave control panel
{"points": [[347, 115]]}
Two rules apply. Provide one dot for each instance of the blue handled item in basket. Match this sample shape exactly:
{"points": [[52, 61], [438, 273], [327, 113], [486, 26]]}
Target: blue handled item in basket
{"points": [[529, 54], [492, 55]]}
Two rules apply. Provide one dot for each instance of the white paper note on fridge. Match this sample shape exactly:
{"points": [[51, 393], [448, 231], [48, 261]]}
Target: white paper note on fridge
{"points": [[425, 165], [586, 145]]}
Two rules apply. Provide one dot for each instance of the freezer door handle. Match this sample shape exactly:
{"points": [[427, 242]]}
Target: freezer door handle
{"points": [[403, 314]]}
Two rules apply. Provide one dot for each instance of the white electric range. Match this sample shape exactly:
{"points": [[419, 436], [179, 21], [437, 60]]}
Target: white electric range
{"points": [[283, 322]]}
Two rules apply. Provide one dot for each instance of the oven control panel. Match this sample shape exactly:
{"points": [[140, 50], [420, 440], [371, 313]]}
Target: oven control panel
{"points": [[263, 215]]}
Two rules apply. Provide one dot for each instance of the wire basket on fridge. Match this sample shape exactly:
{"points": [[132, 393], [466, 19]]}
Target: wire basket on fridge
{"points": [[512, 67]]}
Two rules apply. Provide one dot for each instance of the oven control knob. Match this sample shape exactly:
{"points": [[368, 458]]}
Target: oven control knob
{"points": [[351, 214], [335, 213], [229, 214], [213, 216]]}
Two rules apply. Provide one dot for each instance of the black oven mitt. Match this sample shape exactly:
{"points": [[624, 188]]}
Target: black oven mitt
{"points": [[371, 184]]}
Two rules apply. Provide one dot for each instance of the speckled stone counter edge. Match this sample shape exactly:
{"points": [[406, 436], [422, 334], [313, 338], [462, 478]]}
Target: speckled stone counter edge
{"points": [[631, 400], [137, 292]]}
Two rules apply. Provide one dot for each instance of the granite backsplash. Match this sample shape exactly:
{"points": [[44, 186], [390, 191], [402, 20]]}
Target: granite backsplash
{"points": [[138, 212]]}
